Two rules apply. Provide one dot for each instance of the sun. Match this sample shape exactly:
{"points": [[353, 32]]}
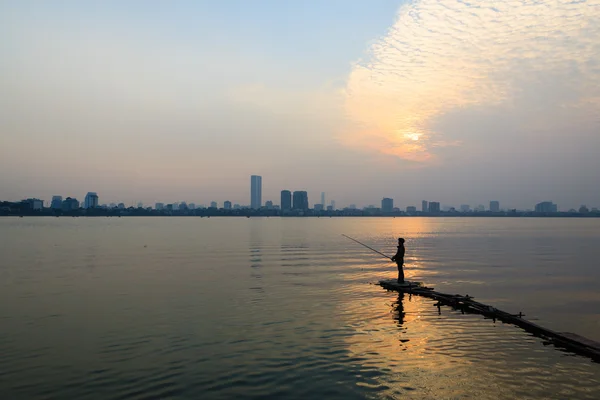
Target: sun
{"points": [[412, 136]]}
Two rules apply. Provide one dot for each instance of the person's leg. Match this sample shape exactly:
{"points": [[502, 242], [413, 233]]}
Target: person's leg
{"points": [[400, 273]]}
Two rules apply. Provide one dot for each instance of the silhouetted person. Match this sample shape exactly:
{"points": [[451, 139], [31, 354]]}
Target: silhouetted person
{"points": [[399, 259]]}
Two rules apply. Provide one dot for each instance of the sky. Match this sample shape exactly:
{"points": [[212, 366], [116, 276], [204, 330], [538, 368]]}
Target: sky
{"points": [[460, 102]]}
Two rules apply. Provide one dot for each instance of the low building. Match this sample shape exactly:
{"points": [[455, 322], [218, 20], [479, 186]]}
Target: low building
{"points": [[70, 204], [546, 207], [56, 203]]}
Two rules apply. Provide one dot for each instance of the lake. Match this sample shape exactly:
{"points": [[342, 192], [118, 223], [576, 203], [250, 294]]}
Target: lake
{"points": [[184, 307]]}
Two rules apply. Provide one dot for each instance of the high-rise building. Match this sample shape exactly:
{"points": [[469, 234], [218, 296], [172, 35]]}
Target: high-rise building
{"points": [[56, 203], [300, 199], [333, 205], [255, 191], [227, 205], [387, 205], [434, 207], [213, 204], [91, 200], [286, 200], [494, 206], [424, 206], [323, 198]]}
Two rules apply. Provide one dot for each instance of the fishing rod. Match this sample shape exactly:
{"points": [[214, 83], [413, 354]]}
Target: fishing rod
{"points": [[370, 248]]}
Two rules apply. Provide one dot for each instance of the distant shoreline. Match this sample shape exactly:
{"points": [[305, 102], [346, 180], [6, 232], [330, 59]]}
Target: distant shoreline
{"points": [[329, 215]]}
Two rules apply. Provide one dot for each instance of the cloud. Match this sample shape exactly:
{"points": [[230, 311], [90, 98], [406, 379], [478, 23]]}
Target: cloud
{"points": [[538, 62]]}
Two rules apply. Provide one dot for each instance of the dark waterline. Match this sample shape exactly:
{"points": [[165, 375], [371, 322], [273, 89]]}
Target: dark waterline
{"points": [[221, 308]]}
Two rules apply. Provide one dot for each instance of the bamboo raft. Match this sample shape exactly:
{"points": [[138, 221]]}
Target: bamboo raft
{"points": [[466, 304]]}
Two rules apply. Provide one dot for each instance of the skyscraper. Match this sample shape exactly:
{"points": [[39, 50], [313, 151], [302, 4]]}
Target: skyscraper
{"points": [[424, 206], [255, 191], [323, 198], [494, 206], [91, 200], [286, 200], [300, 200], [387, 205]]}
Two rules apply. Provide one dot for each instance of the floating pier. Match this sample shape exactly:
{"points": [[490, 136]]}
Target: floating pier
{"points": [[565, 340]]}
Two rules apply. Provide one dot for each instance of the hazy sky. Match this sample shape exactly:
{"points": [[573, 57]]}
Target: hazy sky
{"points": [[455, 101]]}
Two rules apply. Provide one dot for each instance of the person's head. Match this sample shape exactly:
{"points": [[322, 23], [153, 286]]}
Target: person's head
{"points": [[400, 241]]}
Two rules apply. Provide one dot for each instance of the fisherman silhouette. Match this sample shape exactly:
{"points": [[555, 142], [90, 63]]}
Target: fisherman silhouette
{"points": [[399, 259]]}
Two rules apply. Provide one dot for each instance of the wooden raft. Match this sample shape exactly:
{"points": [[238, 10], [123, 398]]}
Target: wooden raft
{"points": [[566, 340]]}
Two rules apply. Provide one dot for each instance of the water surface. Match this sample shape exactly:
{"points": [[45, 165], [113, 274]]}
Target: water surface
{"points": [[236, 307]]}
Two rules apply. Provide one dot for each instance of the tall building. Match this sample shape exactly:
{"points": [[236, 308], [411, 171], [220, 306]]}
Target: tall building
{"points": [[255, 191], [424, 206], [332, 205], [494, 206], [213, 204], [323, 198], [56, 203], [434, 207], [286, 200], [227, 205], [300, 200], [387, 205], [91, 200]]}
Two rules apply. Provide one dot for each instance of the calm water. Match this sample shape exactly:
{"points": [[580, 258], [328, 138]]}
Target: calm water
{"points": [[239, 308]]}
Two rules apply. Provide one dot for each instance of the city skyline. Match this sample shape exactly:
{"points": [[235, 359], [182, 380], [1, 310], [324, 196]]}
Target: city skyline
{"points": [[358, 100], [300, 200]]}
